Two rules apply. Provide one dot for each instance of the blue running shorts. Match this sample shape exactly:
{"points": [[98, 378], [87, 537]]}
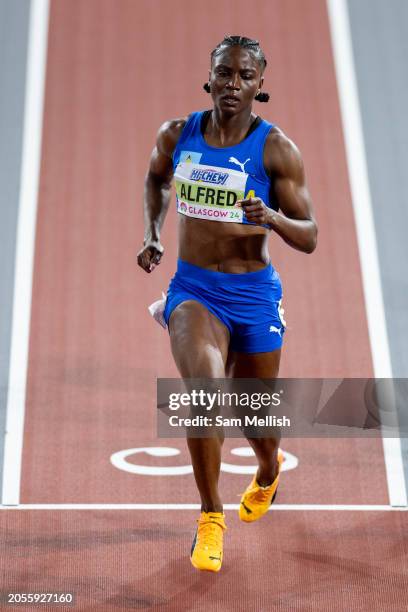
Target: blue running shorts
{"points": [[248, 304]]}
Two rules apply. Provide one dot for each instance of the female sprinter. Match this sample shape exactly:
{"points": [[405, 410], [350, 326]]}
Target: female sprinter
{"points": [[233, 173]]}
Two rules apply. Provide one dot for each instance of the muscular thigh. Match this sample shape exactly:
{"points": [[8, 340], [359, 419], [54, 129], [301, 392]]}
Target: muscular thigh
{"points": [[253, 365], [199, 341]]}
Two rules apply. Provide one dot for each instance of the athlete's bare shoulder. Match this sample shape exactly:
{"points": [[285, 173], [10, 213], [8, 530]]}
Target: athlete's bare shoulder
{"points": [[282, 158], [169, 134]]}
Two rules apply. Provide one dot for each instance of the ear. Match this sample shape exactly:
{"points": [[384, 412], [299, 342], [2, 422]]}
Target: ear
{"points": [[261, 82]]}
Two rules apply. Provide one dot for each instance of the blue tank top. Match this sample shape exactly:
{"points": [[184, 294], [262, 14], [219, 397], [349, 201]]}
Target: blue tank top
{"points": [[209, 180]]}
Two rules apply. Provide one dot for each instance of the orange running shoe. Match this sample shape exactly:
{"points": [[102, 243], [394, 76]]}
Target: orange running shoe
{"points": [[207, 548], [255, 500]]}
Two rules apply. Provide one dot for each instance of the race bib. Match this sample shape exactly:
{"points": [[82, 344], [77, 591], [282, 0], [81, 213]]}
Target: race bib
{"points": [[209, 192]]}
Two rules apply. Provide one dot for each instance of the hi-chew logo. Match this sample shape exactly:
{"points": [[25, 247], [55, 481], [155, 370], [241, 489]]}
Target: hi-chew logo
{"points": [[209, 176]]}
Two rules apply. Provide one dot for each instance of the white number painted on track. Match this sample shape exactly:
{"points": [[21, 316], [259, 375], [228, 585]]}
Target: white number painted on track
{"points": [[120, 461]]}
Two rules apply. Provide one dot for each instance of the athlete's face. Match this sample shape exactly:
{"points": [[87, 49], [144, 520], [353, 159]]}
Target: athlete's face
{"points": [[235, 79]]}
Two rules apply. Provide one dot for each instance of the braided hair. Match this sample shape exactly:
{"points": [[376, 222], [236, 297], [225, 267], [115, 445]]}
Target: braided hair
{"points": [[252, 46]]}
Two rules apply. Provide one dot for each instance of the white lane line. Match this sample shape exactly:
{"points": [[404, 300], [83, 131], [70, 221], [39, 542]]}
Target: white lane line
{"points": [[29, 181], [362, 205], [288, 507]]}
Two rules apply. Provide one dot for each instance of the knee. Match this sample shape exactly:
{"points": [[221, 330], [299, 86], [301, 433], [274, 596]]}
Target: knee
{"points": [[196, 360]]}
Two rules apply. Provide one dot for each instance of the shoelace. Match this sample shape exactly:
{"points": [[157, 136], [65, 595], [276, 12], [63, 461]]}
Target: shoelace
{"points": [[212, 532], [261, 495]]}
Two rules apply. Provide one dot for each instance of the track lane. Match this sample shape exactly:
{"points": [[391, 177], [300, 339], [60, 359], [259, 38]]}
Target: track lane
{"points": [[94, 350]]}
